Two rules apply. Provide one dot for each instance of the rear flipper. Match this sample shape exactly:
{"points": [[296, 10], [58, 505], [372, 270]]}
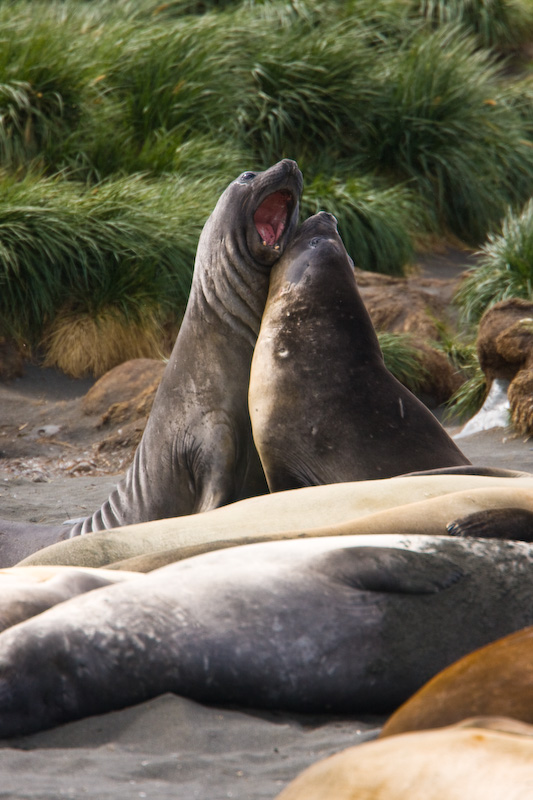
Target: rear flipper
{"points": [[498, 523]]}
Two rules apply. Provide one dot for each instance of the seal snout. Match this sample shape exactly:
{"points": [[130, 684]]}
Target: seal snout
{"points": [[272, 216]]}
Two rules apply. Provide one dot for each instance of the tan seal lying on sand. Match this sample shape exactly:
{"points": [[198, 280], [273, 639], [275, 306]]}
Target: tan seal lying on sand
{"points": [[479, 759], [293, 514]]}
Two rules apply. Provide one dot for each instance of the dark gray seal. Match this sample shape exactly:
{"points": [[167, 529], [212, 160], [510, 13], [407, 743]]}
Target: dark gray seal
{"points": [[324, 407], [197, 451], [336, 624]]}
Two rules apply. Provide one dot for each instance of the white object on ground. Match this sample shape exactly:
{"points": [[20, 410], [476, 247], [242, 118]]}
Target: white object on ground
{"points": [[494, 413]]}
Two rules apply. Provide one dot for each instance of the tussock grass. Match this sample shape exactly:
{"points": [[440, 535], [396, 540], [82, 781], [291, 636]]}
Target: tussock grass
{"points": [[501, 24], [374, 222], [310, 91], [176, 76], [442, 123], [81, 343], [403, 359], [45, 72], [505, 269], [469, 397], [192, 92], [125, 243]]}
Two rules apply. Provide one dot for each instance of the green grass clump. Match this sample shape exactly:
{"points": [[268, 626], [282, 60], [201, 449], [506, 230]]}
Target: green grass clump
{"points": [[441, 122], [176, 77], [45, 74], [376, 224], [309, 89], [128, 243], [403, 359], [505, 269], [501, 24], [470, 396]]}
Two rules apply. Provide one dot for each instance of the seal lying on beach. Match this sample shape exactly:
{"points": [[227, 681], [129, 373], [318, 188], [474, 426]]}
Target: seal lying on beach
{"points": [[479, 759], [418, 504], [324, 407], [197, 451], [334, 624], [494, 680], [27, 591]]}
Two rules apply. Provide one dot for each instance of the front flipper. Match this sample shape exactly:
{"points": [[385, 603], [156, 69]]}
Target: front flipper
{"points": [[496, 523], [387, 569]]}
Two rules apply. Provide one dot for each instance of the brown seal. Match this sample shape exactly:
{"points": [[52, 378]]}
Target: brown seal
{"points": [[494, 680]]}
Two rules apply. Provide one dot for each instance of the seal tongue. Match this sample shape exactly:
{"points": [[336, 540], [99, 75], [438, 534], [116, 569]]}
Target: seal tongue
{"points": [[271, 217]]}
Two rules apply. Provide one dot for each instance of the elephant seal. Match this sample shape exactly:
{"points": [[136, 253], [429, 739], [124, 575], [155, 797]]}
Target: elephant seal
{"points": [[26, 591], [429, 517], [294, 513], [479, 759], [494, 680], [197, 451], [324, 407], [333, 624]]}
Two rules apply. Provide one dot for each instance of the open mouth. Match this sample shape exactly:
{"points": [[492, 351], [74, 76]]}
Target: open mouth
{"points": [[271, 217]]}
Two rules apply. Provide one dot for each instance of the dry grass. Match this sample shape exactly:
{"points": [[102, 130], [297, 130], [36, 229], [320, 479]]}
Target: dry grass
{"points": [[82, 344], [521, 401]]}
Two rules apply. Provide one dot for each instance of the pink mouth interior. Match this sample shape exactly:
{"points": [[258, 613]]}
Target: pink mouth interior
{"points": [[271, 217]]}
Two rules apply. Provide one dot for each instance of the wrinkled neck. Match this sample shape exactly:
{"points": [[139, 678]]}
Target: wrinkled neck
{"points": [[230, 288]]}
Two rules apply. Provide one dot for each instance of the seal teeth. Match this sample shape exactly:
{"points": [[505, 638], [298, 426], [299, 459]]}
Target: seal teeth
{"points": [[271, 217]]}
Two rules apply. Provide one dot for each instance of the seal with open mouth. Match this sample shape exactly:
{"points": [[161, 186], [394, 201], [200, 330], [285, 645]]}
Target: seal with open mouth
{"points": [[197, 450]]}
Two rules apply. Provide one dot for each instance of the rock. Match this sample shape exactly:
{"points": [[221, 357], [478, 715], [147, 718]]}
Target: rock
{"points": [[406, 305], [520, 396], [505, 339], [442, 379], [123, 384]]}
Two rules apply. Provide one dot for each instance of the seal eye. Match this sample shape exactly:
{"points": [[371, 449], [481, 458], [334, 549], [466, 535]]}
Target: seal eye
{"points": [[314, 242], [246, 176]]}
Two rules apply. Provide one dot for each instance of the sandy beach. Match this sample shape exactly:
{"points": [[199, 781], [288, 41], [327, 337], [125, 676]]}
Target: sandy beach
{"points": [[169, 747]]}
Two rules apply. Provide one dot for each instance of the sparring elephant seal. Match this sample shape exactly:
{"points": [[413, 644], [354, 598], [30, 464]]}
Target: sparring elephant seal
{"points": [[339, 624], [197, 451], [324, 407], [480, 759]]}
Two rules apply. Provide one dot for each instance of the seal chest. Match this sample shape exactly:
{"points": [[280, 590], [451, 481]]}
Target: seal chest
{"points": [[323, 406]]}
